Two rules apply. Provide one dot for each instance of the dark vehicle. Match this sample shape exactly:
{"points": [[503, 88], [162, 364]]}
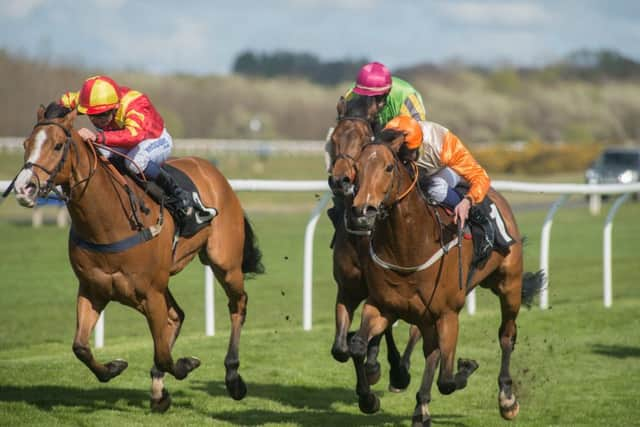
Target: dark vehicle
{"points": [[615, 166]]}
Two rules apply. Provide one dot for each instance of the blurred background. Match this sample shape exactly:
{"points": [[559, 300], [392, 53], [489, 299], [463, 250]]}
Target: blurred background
{"points": [[533, 87]]}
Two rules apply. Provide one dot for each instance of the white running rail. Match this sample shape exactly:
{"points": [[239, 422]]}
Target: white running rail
{"points": [[565, 190]]}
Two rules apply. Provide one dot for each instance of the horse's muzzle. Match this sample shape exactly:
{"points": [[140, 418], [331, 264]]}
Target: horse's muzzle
{"points": [[363, 218], [26, 189], [341, 186]]}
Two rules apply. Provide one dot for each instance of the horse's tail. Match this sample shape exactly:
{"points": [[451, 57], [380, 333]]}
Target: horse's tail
{"points": [[532, 283], [251, 255]]}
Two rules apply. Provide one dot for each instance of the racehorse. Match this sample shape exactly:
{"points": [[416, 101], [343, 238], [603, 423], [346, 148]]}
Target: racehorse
{"points": [[116, 258], [412, 271], [354, 129]]}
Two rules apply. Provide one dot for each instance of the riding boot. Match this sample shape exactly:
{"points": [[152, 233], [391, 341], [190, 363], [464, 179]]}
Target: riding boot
{"points": [[483, 241], [183, 200], [335, 214]]}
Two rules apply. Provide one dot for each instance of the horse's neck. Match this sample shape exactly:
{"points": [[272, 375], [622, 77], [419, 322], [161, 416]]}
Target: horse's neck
{"points": [[98, 205], [408, 234]]}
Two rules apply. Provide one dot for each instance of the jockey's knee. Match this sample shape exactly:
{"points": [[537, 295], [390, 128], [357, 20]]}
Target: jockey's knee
{"points": [[437, 190]]}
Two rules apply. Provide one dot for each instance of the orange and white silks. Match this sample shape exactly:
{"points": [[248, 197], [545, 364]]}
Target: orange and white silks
{"points": [[136, 119], [442, 148]]}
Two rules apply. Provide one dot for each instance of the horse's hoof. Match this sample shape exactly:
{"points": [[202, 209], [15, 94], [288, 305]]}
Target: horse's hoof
{"points": [[161, 405], [369, 404], [340, 355], [114, 368], [236, 388], [468, 366], [399, 380], [418, 422], [373, 373], [185, 365], [511, 411]]}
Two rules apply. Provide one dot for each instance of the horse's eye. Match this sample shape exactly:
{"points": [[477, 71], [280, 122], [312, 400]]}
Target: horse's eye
{"points": [[389, 168], [58, 146]]}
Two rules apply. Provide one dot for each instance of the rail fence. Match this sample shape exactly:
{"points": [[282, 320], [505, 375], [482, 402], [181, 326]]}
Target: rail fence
{"points": [[564, 191]]}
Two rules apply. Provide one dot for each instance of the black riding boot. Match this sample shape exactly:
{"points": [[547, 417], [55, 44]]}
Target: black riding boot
{"points": [[180, 198], [483, 241]]}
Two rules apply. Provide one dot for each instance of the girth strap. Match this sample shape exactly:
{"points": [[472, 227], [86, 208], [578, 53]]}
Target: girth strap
{"points": [[122, 245]]}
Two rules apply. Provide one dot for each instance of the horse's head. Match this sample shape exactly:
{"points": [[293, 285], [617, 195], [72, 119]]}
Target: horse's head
{"points": [[379, 178], [45, 153], [353, 130]]}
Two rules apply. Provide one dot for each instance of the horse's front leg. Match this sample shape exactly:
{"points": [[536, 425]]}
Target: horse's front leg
{"points": [[373, 323], [160, 397], [421, 416], [447, 327], [399, 376], [88, 310], [163, 331]]}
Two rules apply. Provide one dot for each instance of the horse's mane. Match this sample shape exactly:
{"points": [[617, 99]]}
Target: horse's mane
{"points": [[56, 111]]}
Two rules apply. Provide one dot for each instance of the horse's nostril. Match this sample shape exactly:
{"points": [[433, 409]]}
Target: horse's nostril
{"points": [[370, 210], [345, 180]]}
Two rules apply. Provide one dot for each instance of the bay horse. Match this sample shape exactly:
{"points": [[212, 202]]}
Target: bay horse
{"points": [[411, 268], [137, 275], [353, 130]]}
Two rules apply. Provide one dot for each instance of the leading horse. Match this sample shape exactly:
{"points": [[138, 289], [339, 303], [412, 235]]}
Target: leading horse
{"points": [[115, 259], [411, 268]]}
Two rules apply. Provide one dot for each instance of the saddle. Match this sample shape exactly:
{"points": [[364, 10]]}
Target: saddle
{"points": [[485, 226], [187, 225]]}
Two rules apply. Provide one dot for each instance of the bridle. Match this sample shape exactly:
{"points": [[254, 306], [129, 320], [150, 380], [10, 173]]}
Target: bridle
{"points": [[346, 156]]}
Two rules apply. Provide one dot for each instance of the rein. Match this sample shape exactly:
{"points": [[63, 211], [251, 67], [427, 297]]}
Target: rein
{"points": [[444, 249]]}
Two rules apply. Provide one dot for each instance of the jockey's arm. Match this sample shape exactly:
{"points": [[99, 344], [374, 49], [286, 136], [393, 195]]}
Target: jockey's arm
{"points": [[456, 156]]}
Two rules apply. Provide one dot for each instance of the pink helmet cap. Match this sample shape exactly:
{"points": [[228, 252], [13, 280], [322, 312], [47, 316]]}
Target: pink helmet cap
{"points": [[373, 79]]}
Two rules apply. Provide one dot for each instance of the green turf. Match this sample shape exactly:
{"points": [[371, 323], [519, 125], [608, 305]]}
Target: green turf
{"points": [[575, 364]]}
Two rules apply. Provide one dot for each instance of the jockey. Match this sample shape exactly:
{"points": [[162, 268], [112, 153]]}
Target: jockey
{"points": [[444, 162], [393, 96], [127, 122]]}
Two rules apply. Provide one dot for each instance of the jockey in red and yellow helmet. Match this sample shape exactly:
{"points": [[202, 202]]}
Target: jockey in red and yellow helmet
{"points": [[128, 122]]}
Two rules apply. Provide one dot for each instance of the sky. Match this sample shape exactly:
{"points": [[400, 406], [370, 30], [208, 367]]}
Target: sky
{"points": [[204, 37]]}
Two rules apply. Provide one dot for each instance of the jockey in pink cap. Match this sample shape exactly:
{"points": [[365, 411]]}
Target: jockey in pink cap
{"points": [[395, 97]]}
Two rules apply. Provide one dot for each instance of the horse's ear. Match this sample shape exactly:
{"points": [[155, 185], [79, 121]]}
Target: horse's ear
{"points": [[40, 113], [341, 107], [69, 118], [398, 142]]}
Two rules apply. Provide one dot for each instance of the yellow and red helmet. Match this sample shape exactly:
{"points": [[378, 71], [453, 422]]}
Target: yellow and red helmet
{"points": [[98, 94], [411, 129]]}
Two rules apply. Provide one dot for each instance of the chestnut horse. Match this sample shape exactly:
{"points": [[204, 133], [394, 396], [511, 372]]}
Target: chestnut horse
{"points": [[102, 211], [411, 268], [353, 130]]}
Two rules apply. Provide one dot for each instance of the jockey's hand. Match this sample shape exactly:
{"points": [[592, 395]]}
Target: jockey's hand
{"points": [[462, 212], [87, 135]]}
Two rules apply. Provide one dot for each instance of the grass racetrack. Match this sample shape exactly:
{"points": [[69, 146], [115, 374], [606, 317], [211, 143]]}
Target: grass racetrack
{"points": [[574, 364]]}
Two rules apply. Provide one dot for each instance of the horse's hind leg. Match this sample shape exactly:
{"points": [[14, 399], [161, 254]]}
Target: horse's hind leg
{"points": [[399, 377], [510, 299], [160, 397], [88, 310], [233, 283]]}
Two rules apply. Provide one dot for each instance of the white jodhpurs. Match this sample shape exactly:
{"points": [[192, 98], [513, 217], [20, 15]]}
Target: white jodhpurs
{"points": [[157, 150], [440, 182]]}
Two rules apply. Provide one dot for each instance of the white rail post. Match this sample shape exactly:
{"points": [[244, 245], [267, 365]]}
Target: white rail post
{"points": [[606, 258], [308, 262], [471, 302], [544, 250], [99, 332], [209, 308]]}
